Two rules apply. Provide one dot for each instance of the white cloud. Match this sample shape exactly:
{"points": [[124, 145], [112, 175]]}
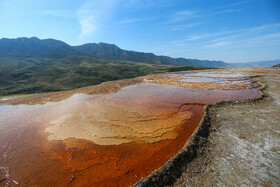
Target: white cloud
{"points": [[239, 39], [230, 34], [187, 14], [219, 12], [218, 44], [59, 13], [185, 26], [182, 15], [256, 36], [129, 21], [197, 37], [234, 4], [274, 35], [210, 35], [148, 3], [92, 15], [88, 25]]}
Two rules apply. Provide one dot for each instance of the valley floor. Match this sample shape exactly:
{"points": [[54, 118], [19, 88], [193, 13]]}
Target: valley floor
{"points": [[244, 143]]}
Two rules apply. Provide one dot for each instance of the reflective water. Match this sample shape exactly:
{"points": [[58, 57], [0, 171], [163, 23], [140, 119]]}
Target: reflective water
{"points": [[228, 74], [218, 77], [214, 80]]}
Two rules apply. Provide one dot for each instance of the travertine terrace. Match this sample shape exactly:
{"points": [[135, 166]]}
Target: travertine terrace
{"points": [[111, 134], [243, 146]]}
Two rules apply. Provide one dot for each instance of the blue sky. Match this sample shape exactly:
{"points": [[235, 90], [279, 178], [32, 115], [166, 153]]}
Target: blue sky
{"points": [[229, 30]]}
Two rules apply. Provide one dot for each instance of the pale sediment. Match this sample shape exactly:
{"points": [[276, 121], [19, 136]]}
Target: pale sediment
{"points": [[197, 147]]}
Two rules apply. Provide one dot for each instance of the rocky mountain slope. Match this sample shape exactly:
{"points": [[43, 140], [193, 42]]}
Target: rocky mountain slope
{"points": [[50, 48]]}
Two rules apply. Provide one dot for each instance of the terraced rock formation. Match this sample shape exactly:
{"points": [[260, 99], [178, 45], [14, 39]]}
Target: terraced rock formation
{"points": [[112, 134], [243, 145]]}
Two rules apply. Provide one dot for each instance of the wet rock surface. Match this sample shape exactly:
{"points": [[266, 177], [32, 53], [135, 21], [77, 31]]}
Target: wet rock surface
{"points": [[2, 175], [111, 134], [207, 80], [243, 146]]}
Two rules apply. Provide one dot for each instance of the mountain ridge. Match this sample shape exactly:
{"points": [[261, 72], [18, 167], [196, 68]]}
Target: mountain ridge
{"points": [[263, 63], [31, 65], [30, 47]]}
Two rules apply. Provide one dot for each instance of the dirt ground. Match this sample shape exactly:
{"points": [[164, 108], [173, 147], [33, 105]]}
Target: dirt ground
{"points": [[244, 143]]}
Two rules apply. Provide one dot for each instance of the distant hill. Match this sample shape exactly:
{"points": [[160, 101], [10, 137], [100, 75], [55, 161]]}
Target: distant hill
{"points": [[34, 47], [30, 65], [113, 52], [268, 63], [40, 74], [50, 48]]}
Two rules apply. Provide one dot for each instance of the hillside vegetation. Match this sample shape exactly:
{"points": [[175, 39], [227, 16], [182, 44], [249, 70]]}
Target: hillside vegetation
{"points": [[30, 75], [30, 65]]}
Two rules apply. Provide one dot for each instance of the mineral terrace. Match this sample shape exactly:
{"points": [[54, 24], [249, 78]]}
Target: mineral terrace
{"points": [[111, 134]]}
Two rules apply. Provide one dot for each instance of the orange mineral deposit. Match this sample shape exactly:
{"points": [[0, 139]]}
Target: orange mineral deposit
{"points": [[110, 139]]}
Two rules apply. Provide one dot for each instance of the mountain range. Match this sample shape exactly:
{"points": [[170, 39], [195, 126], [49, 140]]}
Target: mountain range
{"points": [[29, 65], [34, 47], [267, 63]]}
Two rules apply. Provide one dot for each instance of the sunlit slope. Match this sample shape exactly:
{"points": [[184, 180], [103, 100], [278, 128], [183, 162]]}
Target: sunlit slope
{"points": [[30, 65], [30, 75]]}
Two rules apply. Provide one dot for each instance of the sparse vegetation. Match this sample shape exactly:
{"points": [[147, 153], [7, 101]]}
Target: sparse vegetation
{"points": [[32, 75], [30, 65]]}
